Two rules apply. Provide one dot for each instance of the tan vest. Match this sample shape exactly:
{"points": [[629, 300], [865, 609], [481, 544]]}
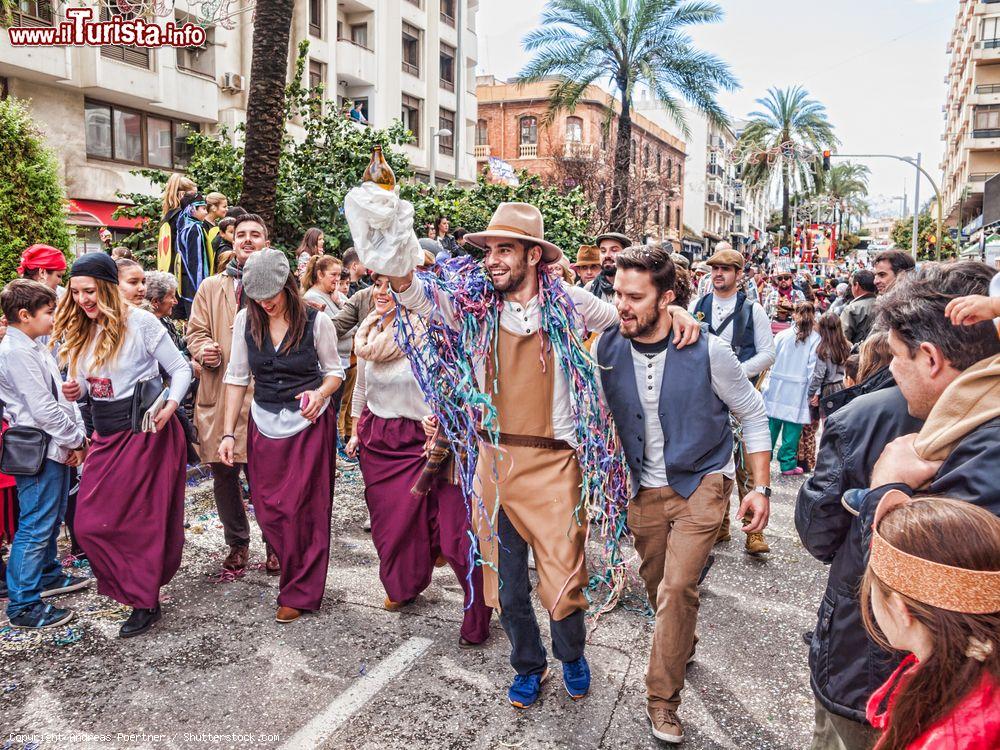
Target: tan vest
{"points": [[537, 481]]}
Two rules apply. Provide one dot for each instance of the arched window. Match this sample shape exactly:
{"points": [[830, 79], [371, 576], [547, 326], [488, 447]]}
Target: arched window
{"points": [[659, 162], [670, 168], [635, 149], [645, 155], [482, 133], [529, 130], [574, 129]]}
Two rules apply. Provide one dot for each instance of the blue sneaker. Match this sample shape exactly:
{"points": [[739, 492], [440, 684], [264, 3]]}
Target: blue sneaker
{"points": [[40, 616], [345, 459], [576, 677], [525, 688], [65, 585]]}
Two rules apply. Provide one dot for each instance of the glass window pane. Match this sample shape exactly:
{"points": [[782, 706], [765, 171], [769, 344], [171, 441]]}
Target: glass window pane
{"points": [[98, 123], [158, 142], [182, 151], [128, 136]]}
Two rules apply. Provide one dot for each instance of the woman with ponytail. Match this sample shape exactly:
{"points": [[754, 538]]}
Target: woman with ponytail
{"points": [[932, 589], [786, 395]]}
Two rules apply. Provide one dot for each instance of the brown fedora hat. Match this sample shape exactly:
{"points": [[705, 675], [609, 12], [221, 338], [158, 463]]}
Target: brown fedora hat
{"points": [[518, 221], [588, 255]]}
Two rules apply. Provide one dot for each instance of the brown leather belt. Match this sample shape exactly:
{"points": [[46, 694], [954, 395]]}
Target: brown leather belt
{"points": [[529, 441]]}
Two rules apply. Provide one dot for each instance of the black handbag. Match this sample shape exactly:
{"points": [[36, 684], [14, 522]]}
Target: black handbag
{"points": [[143, 396], [23, 449]]}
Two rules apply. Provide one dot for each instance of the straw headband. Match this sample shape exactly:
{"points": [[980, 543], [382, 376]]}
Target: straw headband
{"points": [[974, 592]]}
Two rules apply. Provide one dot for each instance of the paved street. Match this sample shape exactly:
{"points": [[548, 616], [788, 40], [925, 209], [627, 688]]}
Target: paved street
{"points": [[219, 672]]}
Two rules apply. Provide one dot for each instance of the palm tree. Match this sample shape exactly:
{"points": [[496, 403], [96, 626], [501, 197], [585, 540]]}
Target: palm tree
{"points": [[844, 185], [628, 43], [266, 107], [778, 140]]}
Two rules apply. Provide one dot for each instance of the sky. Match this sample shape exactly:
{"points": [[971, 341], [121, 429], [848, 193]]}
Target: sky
{"points": [[877, 65]]}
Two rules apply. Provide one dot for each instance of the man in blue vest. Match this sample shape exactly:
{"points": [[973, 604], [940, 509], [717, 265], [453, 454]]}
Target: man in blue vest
{"points": [[672, 408], [742, 323]]}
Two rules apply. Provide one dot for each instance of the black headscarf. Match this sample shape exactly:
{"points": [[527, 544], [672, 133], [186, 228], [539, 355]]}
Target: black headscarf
{"points": [[97, 266]]}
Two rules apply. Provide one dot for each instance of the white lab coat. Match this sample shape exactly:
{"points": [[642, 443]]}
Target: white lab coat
{"points": [[786, 394]]}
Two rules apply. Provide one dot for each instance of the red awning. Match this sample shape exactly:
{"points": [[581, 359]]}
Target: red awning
{"points": [[98, 214]]}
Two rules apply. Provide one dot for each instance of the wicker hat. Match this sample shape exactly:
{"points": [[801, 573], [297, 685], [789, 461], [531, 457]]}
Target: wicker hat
{"points": [[588, 255], [518, 221], [265, 274]]}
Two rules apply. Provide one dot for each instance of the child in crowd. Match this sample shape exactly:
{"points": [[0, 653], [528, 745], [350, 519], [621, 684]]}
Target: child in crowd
{"points": [[131, 281], [29, 389], [933, 586], [222, 242], [851, 371], [831, 356]]}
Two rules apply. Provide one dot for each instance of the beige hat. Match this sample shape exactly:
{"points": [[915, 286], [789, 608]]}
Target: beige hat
{"points": [[588, 255], [726, 257], [621, 239], [518, 221]]}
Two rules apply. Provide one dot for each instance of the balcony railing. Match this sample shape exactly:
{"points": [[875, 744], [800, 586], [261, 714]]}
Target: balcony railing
{"points": [[714, 198], [447, 85], [988, 88], [980, 176], [578, 150], [715, 169], [447, 20], [986, 133], [482, 151], [412, 69], [990, 44], [528, 151]]}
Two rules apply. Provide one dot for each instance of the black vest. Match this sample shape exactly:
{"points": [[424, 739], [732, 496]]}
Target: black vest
{"points": [[741, 320], [279, 378]]}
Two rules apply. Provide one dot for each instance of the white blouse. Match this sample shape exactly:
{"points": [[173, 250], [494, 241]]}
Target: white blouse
{"points": [[145, 349], [389, 390], [285, 423]]}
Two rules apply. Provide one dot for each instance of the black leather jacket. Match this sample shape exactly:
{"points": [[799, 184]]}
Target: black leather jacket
{"points": [[845, 665]]}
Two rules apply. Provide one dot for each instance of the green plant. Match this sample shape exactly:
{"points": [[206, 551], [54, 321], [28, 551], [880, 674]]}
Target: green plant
{"points": [[566, 214], [902, 236], [314, 173], [32, 197]]}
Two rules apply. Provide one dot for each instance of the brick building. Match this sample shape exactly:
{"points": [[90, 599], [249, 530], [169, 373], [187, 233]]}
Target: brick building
{"points": [[577, 148]]}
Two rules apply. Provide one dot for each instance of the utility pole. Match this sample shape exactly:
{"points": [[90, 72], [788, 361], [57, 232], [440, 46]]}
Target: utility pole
{"points": [[915, 244]]}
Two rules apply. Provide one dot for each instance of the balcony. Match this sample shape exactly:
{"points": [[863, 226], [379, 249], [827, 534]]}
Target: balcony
{"points": [[987, 51], [715, 169], [714, 198], [985, 93], [355, 63], [527, 151], [578, 150], [482, 151]]}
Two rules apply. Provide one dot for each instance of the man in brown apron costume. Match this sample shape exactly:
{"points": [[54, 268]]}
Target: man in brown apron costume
{"points": [[535, 474]]}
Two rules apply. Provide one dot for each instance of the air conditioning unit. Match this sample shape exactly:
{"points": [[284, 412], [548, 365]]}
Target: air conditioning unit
{"points": [[233, 82]]}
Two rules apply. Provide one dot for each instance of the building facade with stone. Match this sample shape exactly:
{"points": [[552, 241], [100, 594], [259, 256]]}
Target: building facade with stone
{"points": [[577, 149], [110, 110]]}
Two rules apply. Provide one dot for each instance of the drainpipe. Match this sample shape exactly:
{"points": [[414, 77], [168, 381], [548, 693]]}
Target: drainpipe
{"points": [[459, 128]]}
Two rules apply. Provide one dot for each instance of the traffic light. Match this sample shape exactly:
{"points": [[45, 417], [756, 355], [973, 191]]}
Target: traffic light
{"points": [[826, 160]]}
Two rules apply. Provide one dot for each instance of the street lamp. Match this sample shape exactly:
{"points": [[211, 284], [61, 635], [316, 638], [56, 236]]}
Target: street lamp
{"points": [[435, 134]]}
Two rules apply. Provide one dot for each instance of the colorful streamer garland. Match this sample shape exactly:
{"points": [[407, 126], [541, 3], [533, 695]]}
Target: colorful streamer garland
{"points": [[443, 361]]}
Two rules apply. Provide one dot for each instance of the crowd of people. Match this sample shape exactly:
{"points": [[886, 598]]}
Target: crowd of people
{"points": [[629, 372]]}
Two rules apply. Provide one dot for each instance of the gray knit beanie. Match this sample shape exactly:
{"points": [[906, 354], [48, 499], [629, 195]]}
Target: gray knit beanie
{"points": [[265, 274]]}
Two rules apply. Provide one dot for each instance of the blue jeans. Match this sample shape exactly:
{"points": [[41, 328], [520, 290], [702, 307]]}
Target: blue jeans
{"points": [[33, 563]]}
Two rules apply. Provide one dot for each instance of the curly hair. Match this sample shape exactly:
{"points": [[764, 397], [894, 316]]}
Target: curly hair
{"points": [[74, 330]]}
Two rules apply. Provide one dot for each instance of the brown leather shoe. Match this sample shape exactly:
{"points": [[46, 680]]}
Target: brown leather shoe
{"points": [[392, 606], [723, 536], [664, 724], [237, 558], [755, 544], [272, 565], [287, 614]]}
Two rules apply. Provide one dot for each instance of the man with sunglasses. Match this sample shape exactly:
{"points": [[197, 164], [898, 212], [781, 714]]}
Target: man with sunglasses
{"points": [[781, 301]]}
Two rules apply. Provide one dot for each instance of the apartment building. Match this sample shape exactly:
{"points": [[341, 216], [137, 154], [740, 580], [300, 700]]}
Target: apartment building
{"points": [[108, 110], [576, 148], [972, 110]]}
